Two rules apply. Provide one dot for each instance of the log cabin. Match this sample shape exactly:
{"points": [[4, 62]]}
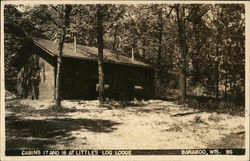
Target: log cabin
{"points": [[125, 77]]}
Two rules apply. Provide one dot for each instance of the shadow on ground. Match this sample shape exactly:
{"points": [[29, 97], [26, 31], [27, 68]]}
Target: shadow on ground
{"points": [[233, 140], [47, 132]]}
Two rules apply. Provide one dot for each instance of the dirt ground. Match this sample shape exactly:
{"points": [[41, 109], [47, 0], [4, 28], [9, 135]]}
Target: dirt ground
{"points": [[153, 124]]}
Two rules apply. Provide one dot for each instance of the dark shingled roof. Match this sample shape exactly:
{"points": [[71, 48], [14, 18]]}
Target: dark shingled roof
{"points": [[88, 53]]}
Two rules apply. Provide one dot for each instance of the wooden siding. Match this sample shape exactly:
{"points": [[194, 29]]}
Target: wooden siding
{"points": [[80, 79], [35, 78], [47, 82]]}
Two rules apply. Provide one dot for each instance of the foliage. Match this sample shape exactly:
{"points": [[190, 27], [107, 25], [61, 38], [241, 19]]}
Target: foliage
{"points": [[29, 111], [214, 39], [198, 120], [232, 140], [174, 128], [15, 29], [210, 104]]}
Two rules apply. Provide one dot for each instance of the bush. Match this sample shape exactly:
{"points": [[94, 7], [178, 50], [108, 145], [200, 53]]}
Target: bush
{"points": [[174, 128], [216, 105], [198, 119]]}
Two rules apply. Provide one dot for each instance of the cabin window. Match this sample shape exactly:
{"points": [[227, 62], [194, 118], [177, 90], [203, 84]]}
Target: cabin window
{"points": [[106, 86], [136, 87]]}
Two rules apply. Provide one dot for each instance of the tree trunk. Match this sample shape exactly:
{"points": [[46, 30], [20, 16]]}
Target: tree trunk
{"points": [[58, 77], [157, 72], [180, 13], [217, 71], [160, 35], [114, 40], [156, 84], [65, 20], [100, 53], [225, 94], [75, 43]]}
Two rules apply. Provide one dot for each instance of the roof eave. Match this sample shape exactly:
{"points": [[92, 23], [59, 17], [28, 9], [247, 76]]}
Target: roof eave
{"points": [[107, 61], [40, 46], [91, 59]]}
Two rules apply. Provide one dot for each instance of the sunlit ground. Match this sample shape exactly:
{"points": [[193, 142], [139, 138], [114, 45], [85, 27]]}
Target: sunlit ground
{"points": [[153, 124]]}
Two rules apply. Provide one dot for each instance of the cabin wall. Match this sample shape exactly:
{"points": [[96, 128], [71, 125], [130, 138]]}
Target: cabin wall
{"points": [[35, 79], [128, 82], [80, 80], [47, 80]]}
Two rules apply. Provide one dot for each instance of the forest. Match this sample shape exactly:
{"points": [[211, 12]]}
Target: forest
{"points": [[198, 50]]}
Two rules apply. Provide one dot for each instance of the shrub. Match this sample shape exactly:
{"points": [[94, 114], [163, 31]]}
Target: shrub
{"points": [[175, 128], [198, 119], [215, 105]]}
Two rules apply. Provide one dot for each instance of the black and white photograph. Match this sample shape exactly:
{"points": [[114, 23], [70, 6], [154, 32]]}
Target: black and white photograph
{"points": [[124, 79]]}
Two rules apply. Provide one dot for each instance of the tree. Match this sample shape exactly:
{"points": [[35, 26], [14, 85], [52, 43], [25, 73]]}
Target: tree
{"points": [[230, 57], [65, 23], [99, 31], [180, 16], [201, 45], [53, 21], [17, 31]]}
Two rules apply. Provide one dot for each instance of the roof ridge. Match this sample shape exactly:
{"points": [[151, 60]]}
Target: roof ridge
{"points": [[90, 53]]}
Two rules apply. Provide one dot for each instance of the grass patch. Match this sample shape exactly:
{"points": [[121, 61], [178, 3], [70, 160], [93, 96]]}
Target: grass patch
{"points": [[144, 110], [233, 140], [199, 120], [214, 118], [111, 104], [209, 104], [18, 108], [174, 128], [26, 110]]}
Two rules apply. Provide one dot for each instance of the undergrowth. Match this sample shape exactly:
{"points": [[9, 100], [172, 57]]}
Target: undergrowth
{"points": [[216, 105], [30, 111], [233, 140], [123, 104]]}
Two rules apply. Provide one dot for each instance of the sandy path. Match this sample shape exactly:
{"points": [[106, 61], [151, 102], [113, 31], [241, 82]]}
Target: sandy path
{"points": [[152, 126]]}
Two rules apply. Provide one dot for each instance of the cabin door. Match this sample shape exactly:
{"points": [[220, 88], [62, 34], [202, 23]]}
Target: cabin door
{"points": [[85, 85], [79, 81]]}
